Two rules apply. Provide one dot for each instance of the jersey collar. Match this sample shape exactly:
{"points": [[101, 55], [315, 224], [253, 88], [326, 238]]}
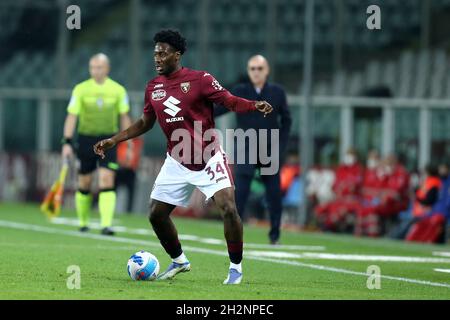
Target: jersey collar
{"points": [[100, 85], [176, 73]]}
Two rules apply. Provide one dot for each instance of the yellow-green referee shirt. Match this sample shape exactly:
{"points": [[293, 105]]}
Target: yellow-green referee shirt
{"points": [[98, 106]]}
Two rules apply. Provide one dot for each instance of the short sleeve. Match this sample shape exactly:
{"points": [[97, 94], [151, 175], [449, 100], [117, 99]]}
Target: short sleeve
{"points": [[75, 102], [148, 108], [124, 102]]}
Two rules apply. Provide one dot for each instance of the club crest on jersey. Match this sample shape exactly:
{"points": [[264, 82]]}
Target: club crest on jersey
{"points": [[185, 86], [158, 94]]}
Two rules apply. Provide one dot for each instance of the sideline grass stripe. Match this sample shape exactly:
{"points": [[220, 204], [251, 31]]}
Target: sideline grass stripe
{"points": [[36, 228]]}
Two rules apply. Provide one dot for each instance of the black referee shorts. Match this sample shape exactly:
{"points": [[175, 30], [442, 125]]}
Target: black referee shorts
{"points": [[89, 160]]}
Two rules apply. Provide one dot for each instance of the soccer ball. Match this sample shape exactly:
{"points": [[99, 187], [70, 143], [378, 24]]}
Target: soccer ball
{"points": [[143, 266]]}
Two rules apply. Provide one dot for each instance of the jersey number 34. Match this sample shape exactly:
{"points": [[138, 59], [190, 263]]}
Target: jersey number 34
{"points": [[219, 169]]}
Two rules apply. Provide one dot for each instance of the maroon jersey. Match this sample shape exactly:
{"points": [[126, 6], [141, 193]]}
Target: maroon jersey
{"points": [[184, 100]]}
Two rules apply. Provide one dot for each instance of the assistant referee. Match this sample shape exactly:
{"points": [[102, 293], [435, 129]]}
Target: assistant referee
{"points": [[97, 104]]}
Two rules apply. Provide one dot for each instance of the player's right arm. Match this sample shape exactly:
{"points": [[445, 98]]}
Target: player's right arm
{"points": [[219, 109], [73, 110], [141, 126]]}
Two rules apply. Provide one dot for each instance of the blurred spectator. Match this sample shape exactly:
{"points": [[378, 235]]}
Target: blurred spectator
{"points": [[425, 196], [385, 195], [373, 160], [290, 171], [348, 175], [333, 215], [291, 184], [428, 193], [128, 157], [372, 178], [431, 209], [371, 186], [319, 185]]}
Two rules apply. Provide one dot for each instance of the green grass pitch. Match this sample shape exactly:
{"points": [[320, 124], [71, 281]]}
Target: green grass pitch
{"points": [[35, 255]]}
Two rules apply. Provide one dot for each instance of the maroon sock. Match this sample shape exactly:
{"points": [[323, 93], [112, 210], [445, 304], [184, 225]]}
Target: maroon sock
{"points": [[235, 251], [173, 248]]}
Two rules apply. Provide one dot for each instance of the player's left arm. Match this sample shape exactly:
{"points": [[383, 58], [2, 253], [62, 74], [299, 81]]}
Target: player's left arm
{"points": [[215, 93]]}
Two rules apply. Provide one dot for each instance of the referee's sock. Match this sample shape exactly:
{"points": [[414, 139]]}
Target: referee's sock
{"points": [[106, 206], [83, 202]]}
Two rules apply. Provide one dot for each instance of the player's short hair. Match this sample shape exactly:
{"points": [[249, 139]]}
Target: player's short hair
{"points": [[172, 37]]}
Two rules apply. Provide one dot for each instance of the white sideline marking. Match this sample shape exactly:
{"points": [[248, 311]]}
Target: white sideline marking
{"points": [[71, 246], [441, 253], [442, 270], [188, 237], [346, 257], [272, 254], [37, 228]]}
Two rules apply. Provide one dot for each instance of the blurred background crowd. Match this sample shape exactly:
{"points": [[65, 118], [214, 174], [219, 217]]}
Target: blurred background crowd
{"points": [[375, 198], [380, 107]]}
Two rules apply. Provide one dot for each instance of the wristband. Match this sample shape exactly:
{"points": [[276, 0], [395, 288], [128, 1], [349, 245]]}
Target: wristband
{"points": [[66, 141]]}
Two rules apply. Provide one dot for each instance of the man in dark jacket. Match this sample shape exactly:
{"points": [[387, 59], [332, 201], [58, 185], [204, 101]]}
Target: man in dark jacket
{"points": [[260, 89]]}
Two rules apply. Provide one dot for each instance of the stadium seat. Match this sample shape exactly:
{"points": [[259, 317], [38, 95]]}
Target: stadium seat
{"points": [[401, 21]]}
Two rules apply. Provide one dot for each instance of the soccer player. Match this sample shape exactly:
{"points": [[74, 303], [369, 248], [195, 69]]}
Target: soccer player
{"points": [[181, 99], [97, 104]]}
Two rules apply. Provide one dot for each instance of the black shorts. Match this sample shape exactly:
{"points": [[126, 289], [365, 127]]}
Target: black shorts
{"points": [[89, 160]]}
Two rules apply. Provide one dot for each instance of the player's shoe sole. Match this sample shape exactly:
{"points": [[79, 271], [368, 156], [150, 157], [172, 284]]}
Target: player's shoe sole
{"points": [[173, 269], [234, 277]]}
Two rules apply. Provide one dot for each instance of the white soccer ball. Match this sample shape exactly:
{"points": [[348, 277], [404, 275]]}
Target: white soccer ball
{"points": [[143, 266]]}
